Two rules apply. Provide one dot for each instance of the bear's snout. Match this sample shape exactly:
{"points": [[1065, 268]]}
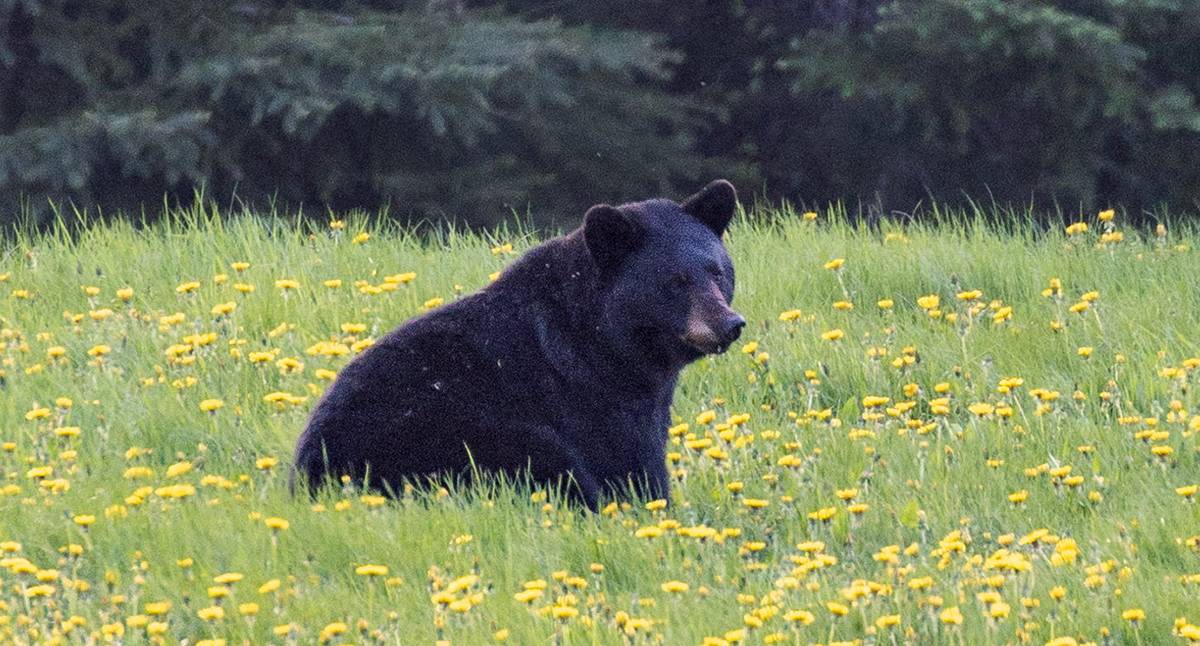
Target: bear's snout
{"points": [[732, 329], [714, 338]]}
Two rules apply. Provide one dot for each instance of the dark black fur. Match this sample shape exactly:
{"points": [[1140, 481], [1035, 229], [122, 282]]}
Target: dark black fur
{"points": [[565, 366]]}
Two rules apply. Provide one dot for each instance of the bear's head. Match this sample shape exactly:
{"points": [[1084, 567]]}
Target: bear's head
{"points": [[665, 279]]}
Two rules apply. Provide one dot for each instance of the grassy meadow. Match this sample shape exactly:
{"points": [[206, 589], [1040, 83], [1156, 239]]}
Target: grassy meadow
{"points": [[928, 434]]}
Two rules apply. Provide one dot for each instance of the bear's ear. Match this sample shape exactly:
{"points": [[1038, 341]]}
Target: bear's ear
{"points": [[609, 235], [713, 205]]}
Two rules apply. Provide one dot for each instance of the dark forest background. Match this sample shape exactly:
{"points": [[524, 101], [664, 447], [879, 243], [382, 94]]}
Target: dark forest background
{"points": [[468, 110]]}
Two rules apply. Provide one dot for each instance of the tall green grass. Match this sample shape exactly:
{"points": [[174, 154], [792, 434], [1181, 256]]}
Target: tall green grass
{"points": [[956, 474]]}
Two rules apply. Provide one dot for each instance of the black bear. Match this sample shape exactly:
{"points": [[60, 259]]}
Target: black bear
{"points": [[563, 368]]}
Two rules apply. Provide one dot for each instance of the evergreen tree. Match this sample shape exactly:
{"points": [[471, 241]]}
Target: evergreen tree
{"points": [[1024, 99], [436, 110], [466, 109]]}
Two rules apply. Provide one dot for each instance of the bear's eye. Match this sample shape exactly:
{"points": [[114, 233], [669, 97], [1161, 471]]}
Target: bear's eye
{"points": [[714, 270], [678, 281]]}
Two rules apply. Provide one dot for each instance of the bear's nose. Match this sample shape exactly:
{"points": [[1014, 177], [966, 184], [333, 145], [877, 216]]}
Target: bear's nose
{"points": [[733, 329]]}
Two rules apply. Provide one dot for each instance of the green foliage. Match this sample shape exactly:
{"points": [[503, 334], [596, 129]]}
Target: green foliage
{"points": [[80, 155], [457, 117], [439, 112], [1087, 102], [1068, 100], [469, 109]]}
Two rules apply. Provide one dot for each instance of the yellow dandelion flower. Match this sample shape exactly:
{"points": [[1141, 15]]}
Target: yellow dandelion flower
{"points": [[887, 621], [211, 613], [528, 595], [1190, 632], [675, 586], [332, 630], [99, 350], [157, 608], [179, 468], [981, 409], [1134, 614], [564, 612], [999, 610], [211, 405], [223, 309], [371, 570], [951, 616], [837, 609], [42, 590], [803, 617]]}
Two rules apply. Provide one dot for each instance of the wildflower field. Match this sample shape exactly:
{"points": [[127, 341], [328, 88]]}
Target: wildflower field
{"points": [[928, 434]]}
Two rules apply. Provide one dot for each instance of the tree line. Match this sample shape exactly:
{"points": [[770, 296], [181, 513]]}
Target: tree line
{"points": [[470, 109]]}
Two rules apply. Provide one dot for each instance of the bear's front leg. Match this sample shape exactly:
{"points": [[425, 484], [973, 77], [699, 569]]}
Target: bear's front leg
{"points": [[654, 481], [582, 484], [586, 489]]}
